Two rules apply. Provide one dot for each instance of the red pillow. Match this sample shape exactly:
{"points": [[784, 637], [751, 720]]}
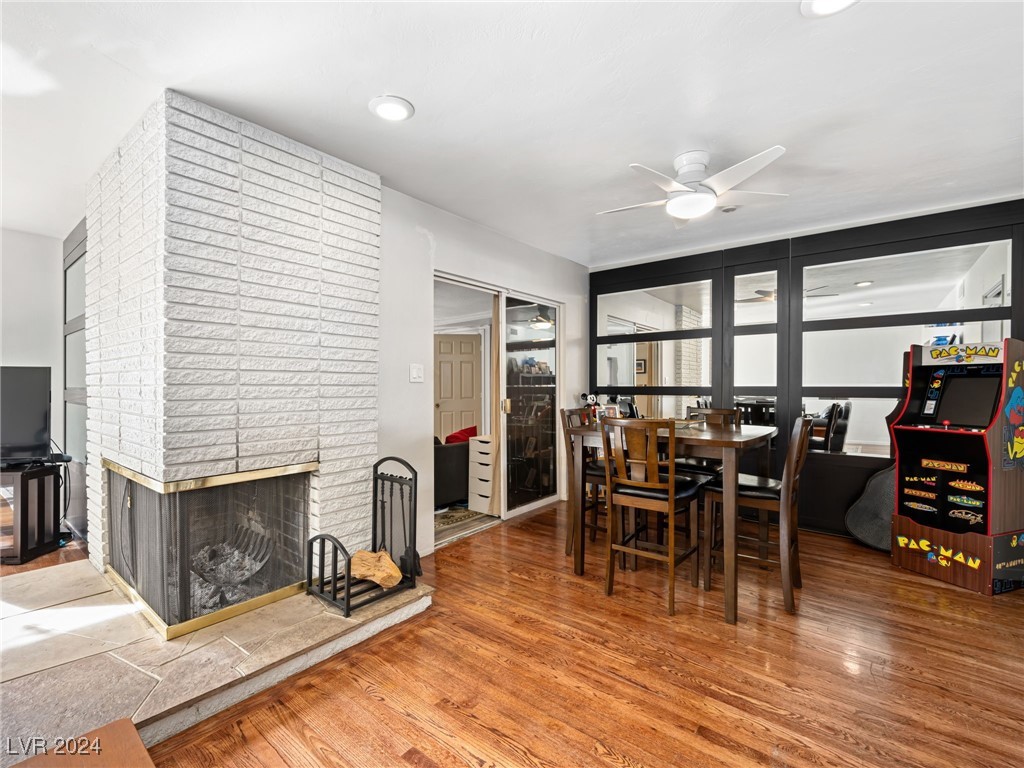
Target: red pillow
{"points": [[462, 436]]}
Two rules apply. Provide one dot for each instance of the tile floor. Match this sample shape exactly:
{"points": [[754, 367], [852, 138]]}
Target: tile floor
{"points": [[76, 654]]}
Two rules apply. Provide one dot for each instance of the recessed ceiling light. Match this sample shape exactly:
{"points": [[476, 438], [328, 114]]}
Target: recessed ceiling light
{"points": [[864, 283], [865, 304], [393, 108], [816, 9]]}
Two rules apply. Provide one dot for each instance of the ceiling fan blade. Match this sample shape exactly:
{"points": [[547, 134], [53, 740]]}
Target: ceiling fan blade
{"points": [[765, 293], [758, 300], [652, 204], [812, 290], [725, 180], [821, 296], [665, 182], [741, 197]]}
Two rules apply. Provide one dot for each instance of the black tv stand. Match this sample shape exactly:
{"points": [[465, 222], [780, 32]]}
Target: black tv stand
{"points": [[34, 526]]}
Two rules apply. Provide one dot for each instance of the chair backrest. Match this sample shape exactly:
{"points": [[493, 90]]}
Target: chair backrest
{"points": [[830, 426], [724, 417], [796, 456], [632, 445], [573, 418]]}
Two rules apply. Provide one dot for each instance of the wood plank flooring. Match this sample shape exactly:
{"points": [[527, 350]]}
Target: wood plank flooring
{"points": [[521, 663]]}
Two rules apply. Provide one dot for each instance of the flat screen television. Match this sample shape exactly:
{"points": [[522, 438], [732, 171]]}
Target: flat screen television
{"points": [[24, 414], [968, 401]]}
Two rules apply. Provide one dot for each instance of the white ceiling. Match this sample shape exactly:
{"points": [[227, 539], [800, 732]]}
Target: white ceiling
{"points": [[529, 114]]}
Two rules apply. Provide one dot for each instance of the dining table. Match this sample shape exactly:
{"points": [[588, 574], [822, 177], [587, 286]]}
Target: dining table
{"points": [[698, 438]]}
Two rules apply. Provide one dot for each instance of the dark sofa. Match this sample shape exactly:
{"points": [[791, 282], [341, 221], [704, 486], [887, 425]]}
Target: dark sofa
{"points": [[451, 473]]}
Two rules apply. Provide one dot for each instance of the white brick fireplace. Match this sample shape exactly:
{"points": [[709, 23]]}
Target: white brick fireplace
{"points": [[231, 312]]}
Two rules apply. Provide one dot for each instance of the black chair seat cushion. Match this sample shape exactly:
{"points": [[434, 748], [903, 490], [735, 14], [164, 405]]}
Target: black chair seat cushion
{"points": [[698, 465], [753, 486], [686, 487]]}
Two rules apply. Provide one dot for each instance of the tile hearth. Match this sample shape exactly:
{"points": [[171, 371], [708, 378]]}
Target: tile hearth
{"points": [[76, 654]]}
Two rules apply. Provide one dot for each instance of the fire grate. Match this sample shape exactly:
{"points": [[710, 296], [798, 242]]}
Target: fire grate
{"points": [[393, 531], [191, 553]]}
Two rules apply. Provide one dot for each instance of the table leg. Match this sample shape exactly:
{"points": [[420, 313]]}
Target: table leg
{"points": [[730, 480], [579, 503]]}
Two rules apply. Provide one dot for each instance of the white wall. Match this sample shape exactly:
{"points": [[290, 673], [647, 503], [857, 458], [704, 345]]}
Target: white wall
{"points": [[32, 311], [416, 240]]}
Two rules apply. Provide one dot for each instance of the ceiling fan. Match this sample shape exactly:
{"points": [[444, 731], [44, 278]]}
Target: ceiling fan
{"points": [[772, 295], [693, 193]]}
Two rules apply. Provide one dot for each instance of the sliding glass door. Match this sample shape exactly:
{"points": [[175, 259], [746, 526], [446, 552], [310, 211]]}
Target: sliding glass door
{"points": [[531, 362]]}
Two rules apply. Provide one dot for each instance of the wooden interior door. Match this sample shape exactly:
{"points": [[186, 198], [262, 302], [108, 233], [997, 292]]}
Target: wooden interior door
{"points": [[648, 374], [457, 383]]}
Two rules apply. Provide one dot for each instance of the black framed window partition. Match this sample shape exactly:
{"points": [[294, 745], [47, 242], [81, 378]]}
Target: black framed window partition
{"points": [[959, 272], [875, 302], [657, 340]]}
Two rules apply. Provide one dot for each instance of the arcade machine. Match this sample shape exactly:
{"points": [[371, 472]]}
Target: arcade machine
{"points": [[960, 466]]}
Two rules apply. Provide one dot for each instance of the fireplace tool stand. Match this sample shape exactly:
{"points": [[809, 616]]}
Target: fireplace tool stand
{"points": [[393, 531]]}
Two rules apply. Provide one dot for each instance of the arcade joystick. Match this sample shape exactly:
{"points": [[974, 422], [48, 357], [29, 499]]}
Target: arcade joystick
{"points": [[945, 423]]}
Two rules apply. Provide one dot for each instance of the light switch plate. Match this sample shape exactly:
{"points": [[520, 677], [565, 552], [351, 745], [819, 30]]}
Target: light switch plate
{"points": [[415, 373]]}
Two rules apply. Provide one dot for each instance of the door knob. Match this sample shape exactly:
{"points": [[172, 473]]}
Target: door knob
{"points": [[437, 405]]}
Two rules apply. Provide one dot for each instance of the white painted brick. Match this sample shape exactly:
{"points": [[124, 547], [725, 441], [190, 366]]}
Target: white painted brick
{"points": [[256, 196], [212, 207], [283, 172], [193, 470], [224, 149], [202, 190], [196, 125], [202, 111], [200, 235], [351, 209], [286, 158], [283, 143], [232, 286], [371, 191], [177, 441], [268, 180], [352, 171], [204, 221], [202, 174]]}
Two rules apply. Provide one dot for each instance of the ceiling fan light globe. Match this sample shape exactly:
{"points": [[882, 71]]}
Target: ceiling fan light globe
{"points": [[816, 9], [691, 205]]}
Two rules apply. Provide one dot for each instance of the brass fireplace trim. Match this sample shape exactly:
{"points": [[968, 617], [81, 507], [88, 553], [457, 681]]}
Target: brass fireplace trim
{"points": [[212, 481], [171, 631]]}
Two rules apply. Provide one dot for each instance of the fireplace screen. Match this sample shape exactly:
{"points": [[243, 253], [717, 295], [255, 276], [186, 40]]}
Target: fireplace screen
{"points": [[191, 553]]}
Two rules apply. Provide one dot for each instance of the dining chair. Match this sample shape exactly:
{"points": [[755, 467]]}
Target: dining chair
{"points": [[639, 479], [573, 418], [767, 496], [731, 417], [823, 430]]}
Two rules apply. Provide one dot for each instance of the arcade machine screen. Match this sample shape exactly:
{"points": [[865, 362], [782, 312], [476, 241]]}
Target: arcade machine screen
{"points": [[968, 401]]}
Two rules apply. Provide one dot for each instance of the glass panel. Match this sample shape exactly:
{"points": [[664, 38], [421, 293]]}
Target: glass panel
{"points": [[74, 359], [754, 301], [666, 308], [679, 363], [963, 277], [74, 430], [870, 357], [74, 290], [755, 360], [864, 431], [531, 356]]}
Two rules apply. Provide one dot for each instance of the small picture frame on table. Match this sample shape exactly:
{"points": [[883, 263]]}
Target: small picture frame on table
{"points": [[611, 411]]}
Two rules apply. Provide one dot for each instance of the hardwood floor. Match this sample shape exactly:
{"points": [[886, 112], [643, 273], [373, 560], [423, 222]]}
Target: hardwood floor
{"points": [[520, 663]]}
